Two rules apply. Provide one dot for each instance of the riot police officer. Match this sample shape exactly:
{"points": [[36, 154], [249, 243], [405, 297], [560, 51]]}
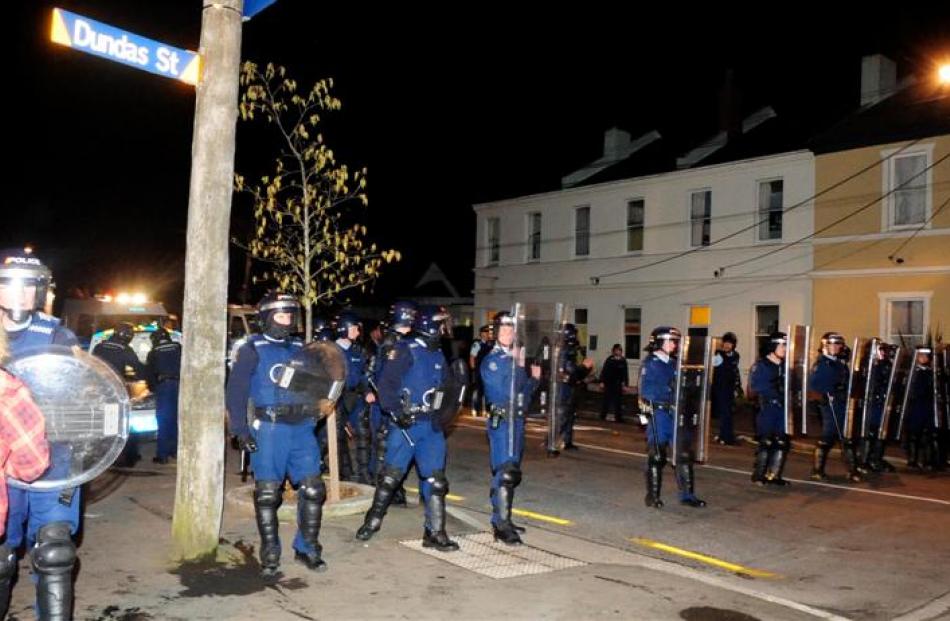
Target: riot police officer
{"points": [[401, 317], [726, 386], [570, 376], [830, 379], [281, 440], [657, 393], [873, 445], [353, 407], [767, 379], [410, 390], [921, 443], [47, 521], [164, 366], [504, 378]]}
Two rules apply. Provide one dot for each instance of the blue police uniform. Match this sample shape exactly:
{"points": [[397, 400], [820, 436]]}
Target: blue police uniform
{"points": [[873, 445], [726, 383], [286, 442], [353, 407], [31, 510], [118, 355], [409, 385], [830, 379], [767, 379], [496, 373], [164, 367], [569, 375]]}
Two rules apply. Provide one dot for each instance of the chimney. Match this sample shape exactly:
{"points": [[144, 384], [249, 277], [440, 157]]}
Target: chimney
{"points": [[616, 144], [878, 79]]}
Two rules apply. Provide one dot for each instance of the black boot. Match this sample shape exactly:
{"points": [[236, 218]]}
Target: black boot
{"points": [[381, 499], [868, 454], [928, 452], [53, 559], [504, 530], [434, 535], [267, 499], [851, 461], [685, 481], [761, 462], [654, 479], [820, 460], [777, 459], [8, 565], [880, 447], [913, 455], [343, 451], [363, 439], [310, 498]]}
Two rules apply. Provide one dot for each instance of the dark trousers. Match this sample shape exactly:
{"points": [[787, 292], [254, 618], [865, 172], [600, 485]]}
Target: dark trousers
{"points": [[613, 399], [722, 406]]}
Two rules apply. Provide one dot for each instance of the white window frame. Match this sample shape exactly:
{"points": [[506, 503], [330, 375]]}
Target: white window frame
{"points": [[574, 236], [623, 333], [689, 218], [755, 322], [758, 212], [643, 225], [888, 182], [488, 237], [886, 298], [529, 220]]}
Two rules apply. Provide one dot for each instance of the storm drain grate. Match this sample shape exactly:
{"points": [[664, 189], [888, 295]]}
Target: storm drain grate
{"points": [[479, 552]]}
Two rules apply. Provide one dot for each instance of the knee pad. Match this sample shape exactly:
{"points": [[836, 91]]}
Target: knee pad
{"points": [[685, 457], [782, 442], [267, 493], [313, 489], [510, 475], [55, 552], [440, 485], [765, 444], [7, 563], [657, 458], [390, 478]]}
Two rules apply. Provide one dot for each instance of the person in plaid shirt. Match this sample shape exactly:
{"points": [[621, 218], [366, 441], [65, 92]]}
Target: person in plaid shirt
{"points": [[24, 454]]}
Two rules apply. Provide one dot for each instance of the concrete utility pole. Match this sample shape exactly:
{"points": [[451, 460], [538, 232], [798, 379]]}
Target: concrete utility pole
{"points": [[199, 495]]}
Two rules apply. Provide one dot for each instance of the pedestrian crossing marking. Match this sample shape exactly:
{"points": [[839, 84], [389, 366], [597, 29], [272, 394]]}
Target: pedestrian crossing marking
{"points": [[696, 556]]}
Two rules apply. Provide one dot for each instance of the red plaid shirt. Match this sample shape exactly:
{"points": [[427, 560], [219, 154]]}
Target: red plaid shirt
{"points": [[24, 452]]}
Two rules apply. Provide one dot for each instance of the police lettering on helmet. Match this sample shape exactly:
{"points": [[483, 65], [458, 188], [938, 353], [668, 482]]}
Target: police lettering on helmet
{"points": [[24, 281]]}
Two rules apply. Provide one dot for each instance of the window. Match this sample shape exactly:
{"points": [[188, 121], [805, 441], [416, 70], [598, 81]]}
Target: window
{"points": [[905, 320], [770, 209], [580, 322], [699, 217], [534, 236], [635, 225], [494, 240], [582, 231], [631, 333], [766, 322], [908, 178]]}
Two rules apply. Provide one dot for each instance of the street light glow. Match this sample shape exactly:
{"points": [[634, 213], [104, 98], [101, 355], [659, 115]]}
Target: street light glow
{"points": [[943, 73]]}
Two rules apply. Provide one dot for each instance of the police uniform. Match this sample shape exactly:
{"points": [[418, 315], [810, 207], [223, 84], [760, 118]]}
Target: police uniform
{"points": [[921, 443], [726, 384], [496, 373], [281, 440], [164, 367], [570, 374], [767, 379], [873, 445], [410, 389], [353, 408], [830, 379]]}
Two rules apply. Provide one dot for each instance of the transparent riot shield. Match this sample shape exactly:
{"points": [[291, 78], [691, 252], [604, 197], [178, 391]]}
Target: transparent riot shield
{"points": [[691, 411], [538, 343], [890, 363], [796, 377], [86, 408], [907, 397], [940, 388], [894, 407], [858, 377]]}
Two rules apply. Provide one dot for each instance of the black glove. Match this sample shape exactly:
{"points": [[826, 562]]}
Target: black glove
{"points": [[247, 442], [404, 420]]}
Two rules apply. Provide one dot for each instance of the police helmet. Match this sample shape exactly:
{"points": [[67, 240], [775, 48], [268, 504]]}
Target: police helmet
{"points": [[123, 333], [663, 333], [776, 339], [345, 321], [322, 330], [569, 334], [159, 336], [20, 269], [432, 322], [273, 303], [402, 314]]}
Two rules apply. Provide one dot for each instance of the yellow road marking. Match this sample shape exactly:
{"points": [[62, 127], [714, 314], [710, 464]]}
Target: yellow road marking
{"points": [[541, 517], [452, 497], [696, 556]]}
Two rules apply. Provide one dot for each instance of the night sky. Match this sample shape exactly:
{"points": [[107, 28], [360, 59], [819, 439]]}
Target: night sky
{"points": [[445, 109]]}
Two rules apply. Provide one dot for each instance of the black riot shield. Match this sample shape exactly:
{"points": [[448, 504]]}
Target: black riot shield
{"points": [[454, 390], [86, 409], [319, 370], [796, 377], [690, 406], [858, 377]]}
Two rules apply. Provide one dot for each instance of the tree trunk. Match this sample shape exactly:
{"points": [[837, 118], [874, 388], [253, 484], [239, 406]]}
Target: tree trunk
{"points": [[199, 494]]}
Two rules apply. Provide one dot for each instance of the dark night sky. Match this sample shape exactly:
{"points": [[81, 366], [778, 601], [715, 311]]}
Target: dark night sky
{"points": [[445, 109]]}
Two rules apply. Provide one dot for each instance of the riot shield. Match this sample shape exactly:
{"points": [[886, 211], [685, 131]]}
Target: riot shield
{"points": [[894, 406], [454, 390], [537, 342], [881, 388], [940, 388], [858, 377], [690, 407], [796, 377], [907, 397], [86, 407], [318, 369]]}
